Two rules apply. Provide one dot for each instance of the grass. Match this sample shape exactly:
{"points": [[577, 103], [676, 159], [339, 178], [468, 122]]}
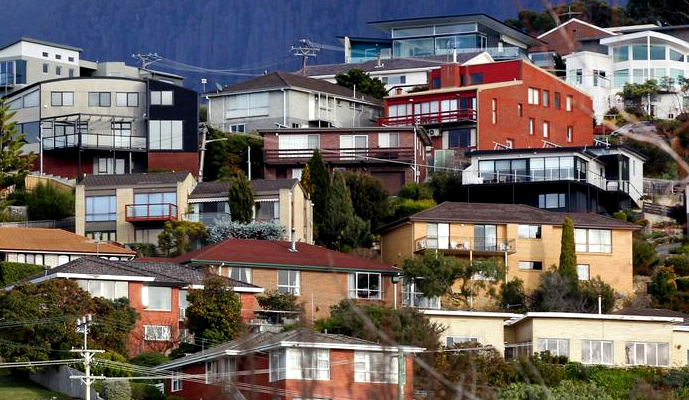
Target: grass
{"points": [[15, 388]]}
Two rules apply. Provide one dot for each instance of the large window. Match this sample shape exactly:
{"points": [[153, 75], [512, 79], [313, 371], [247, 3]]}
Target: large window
{"points": [[298, 145], [124, 99], [413, 47], [533, 95], [620, 77], [388, 140], [657, 52], [289, 282], [99, 99], [639, 52], [620, 54], [596, 352], [375, 367], [593, 240], [240, 274], [556, 347], [365, 285], [62, 99], [676, 55], [352, 146], [176, 384], [157, 298], [110, 290], [248, 105], [220, 369], [269, 210], [158, 332], [529, 231], [101, 208], [162, 98], [459, 138], [485, 237], [552, 200], [413, 297], [654, 354], [165, 135], [307, 364], [437, 235]]}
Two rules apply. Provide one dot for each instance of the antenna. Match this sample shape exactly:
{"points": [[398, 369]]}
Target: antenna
{"points": [[569, 14], [305, 49]]}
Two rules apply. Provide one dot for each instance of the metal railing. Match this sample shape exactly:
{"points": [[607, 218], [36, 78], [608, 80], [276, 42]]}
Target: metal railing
{"points": [[456, 243], [150, 212], [94, 140], [535, 175], [438, 117], [341, 154]]}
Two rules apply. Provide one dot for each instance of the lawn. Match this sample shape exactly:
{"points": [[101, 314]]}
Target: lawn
{"points": [[23, 389]]}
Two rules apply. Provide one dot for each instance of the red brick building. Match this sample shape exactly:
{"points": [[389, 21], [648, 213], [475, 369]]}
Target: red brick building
{"points": [[156, 290], [394, 155], [297, 364]]}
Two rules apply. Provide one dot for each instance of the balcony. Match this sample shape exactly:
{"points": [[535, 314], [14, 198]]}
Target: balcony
{"points": [[94, 141], [465, 245], [534, 175], [150, 212], [340, 155], [439, 117]]}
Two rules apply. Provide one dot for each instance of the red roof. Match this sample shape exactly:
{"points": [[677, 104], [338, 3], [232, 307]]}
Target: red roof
{"points": [[277, 253]]}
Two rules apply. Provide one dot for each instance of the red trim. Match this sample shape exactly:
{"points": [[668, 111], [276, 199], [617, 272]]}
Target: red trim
{"points": [[142, 212]]}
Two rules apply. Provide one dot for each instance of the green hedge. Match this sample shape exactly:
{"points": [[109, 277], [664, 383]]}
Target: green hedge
{"points": [[11, 272]]}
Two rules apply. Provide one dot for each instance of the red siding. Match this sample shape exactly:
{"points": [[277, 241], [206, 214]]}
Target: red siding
{"points": [[174, 161]]}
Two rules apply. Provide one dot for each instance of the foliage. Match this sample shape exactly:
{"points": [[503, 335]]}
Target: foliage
{"points": [[512, 296], [446, 186], [306, 180], [662, 12], [179, 237], [225, 228], [369, 197], [226, 158], [341, 229], [318, 187], [663, 286], [415, 191], [636, 95], [621, 215], [101, 369], [14, 165], [117, 390], [679, 264], [241, 199], [363, 82], [214, 312], [11, 272], [556, 293], [644, 257], [659, 164], [150, 359], [143, 249], [566, 390], [144, 391], [438, 275], [277, 301], [568, 256], [402, 208], [113, 333], [49, 202]]}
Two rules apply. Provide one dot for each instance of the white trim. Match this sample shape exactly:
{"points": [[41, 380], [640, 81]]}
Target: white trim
{"points": [[681, 328], [244, 289], [478, 314], [640, 35], [579, 21], [207, 200], [605, 317]]}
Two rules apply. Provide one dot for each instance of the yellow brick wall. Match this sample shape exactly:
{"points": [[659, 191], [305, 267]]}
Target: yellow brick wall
{"points": [[80, 210], [125, 230], [488, 330]]}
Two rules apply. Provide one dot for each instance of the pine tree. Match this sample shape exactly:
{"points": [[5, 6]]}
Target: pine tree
{"points": [[241, 199], [341, 229], [568, 255], [13, 164], [319, 185]]}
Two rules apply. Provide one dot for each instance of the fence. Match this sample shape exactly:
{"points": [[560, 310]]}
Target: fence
{"points": [[57, 380], [66, 224]]}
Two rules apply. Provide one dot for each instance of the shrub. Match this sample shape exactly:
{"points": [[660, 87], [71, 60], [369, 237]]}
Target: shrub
{"points": [[11, 272], [143, 249], [117, 390], [225, 228], [415, 191], [143, 391], [402, 208], [679, 263], [99, 369], [49, 202], [566, 390], [149, 359], [621, 215], [275, 300], [644, 257]]}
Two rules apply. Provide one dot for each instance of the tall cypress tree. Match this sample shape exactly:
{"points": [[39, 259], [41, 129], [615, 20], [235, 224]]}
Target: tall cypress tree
{"points": [[568, 255], [241, 198], [319, 185], [341, 228], [13, 164]]}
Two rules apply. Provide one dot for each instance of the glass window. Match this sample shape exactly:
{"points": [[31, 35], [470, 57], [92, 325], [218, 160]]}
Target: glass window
{"points": [[58, 70], [375, 367], [157, 298], [583, 272], [289, 282], [269, 210], [620, 54], [99, 99], [45, 68], [412, 297], [307, 364], [176, 382], [31, 99], [620, 77], [365, 285], [639, 52], [158, 332], [546, 129], [657, 52], [422, 47], [62, 99], [127, 99], [546, 98], [653, 354], [596, 352], [165, 135], [110, 290], [593, 240], [552, 200], [453, 341], [388, 140], [676, 55], [240, 274], [568, 103], [556, 347], [556, 100], [529, 231], [101, 208], [162, 98], [414, 31], [535, 265]]}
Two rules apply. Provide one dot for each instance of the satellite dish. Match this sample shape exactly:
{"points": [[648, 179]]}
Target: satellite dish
{"points": [[218, 86]]}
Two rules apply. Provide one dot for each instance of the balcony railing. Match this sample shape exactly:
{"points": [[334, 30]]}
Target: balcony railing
{"points": [[371, 155], [533, 175], [150, 212], [94, 140], [208, 218], [439, 117], [465, 244]]}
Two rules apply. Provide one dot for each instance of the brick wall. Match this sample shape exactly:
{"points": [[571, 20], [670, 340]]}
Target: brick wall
{"points": [[137, 344], [174, 161]]}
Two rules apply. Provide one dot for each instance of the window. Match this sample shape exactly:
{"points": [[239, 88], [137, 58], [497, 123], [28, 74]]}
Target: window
{"points": [[352, 146], [620, 77], [596, 352], [240, 274], [569, 133], [657, 52], [157, 332], [509, 143], [220, 369], [620, 54], [593, 240], [45, 68], [532, 126], [31, 100], [104, 165], [62, 99], [533, 95], [289, 282], [551, 200], [534, 265], [388, 140], [546, 98], [546, 129], [307, 364], [583, 272], [520, 110], [237, 127], [99, 99], [161, 98], [639, 52], [485, 237], [365, 285], [70, 59], [452, 341], [556, 100], [568, 103], [165, 135], [270, 210], [529, 231], [654, 354], [183, 304], [124, 99], [58, 70], [495, 110], [278, 361], [58, 56], [101, 208], [248, 105], [71, 72], [579, 76], [556, 347], [176, 384], [375, 367], [676, 56], [110, 290], [45, 54], [438, 236], [157, 298], [298, 145], [413, 297]]}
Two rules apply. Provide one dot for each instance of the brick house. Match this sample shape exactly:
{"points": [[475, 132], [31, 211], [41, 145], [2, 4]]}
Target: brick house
{"points": [[156, 290], [296, 364], [394, 155]]}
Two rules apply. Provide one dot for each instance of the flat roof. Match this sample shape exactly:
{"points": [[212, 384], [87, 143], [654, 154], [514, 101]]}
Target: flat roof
{"points": [[470, 314], [43, 42], [603, 317]]}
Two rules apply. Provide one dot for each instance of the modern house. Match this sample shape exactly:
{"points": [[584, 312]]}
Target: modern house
{"points": [[287, 100], [395, 155], [297, 364], [131, 208], [320, 278], [525, 239], [598, 179], [54, 247], [108, 125], [157, 291], [282, 201]]}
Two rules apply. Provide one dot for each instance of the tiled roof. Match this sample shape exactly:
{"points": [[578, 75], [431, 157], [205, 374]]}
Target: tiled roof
{"points": [[158, 178], [389, 64], [220, 188], [277, 80], [54, 240], [654, 312], [267, 253]]}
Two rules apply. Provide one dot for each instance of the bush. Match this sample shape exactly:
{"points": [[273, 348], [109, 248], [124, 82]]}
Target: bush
{"points": [[11, 272], [621, 215], [566, 390], [402, 208], [116, 390], [415, 191], [143, 391], [49, 202], [150, 359], [644, 257], [277, 301], [225, 228], [143, 249], [107, 371], [679, 263]]}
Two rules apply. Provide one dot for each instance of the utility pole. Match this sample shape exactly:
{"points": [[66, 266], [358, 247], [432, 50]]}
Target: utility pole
{"points": [[146, 59], [401, 366], [305, 50], [248, 162], [83, 327]]}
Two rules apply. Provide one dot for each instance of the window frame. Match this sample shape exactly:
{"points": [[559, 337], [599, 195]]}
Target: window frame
{"points": [[176, 382], [294, 290], [146, 297], [646, 346], [354, 290], [530, 265], [601, 344], [163, 338], [63, 95], [588, 272], [558, 342], [103, 99], [584, 244], [162, 98], [363, 368], [529, 231]]}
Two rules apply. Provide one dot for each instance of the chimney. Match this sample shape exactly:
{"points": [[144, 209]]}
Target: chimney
{"points": [[293, 247]]}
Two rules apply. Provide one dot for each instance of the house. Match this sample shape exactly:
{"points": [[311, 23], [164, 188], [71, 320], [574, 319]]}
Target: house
{"points": [[131, 208], [156, 290], [526, 239], [287, 100], [319, 277], [599, 179], [297, 364], [54, 247], [499, 105], [107, 125], [395, 155], [282, 201]]}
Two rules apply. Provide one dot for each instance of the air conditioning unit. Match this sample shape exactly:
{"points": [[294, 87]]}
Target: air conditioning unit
{"points": [[434, 132]]}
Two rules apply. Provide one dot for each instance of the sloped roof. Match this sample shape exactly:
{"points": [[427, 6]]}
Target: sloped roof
{"points": [[54, 241], [43, 42], [157, 178], [389, 64], [277, 254], [220, 188]]}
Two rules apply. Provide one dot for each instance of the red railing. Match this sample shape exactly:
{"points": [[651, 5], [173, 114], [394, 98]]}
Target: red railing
{"points": [[150, 212], [439, 117], [341, 155]]}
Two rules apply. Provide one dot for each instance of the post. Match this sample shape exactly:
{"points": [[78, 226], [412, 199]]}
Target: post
{"points": [[600, 304], [248, 162], [87, 354], [401, 364], [203, 152], [40, 148]]}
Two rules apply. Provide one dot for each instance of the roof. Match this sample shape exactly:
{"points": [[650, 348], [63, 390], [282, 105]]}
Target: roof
{"points": [[279, 80], [158, 178], [302, 337], [606, 317], [43, 42], [390, 64], [277, 254], [509, 213], [595, 151], [569, 21], [44, 240], [220, 188], [654, 312], [469, 314]]}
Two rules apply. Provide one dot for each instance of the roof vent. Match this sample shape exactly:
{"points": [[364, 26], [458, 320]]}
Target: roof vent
{"points": [[293, 246]]}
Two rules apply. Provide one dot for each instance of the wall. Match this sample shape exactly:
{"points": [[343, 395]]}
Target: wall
{"points": [[603, 96], [80, 210], [136, 343], [174, 161], [564, 40], [125, 230], [58, 379], [396, 244], [488, 330]]}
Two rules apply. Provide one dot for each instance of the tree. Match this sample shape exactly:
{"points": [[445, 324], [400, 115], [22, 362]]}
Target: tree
{"points": [[318, 187], [568, 255], [119, 319], [226, 158], [277, 301], [214, 312], [241, 199], [14, 165], [179, 237], [369, 197], [437, 275], [225, 228], [446, 186], [644, 257], [363, 82], [637, 95], [11, 272], [663, 286], [49, 202], [117, 390], [512, 296], [306, 180], [415, 191], [557, 293], [667, 12], [402, 208], [341, 229], [150, 359]]}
